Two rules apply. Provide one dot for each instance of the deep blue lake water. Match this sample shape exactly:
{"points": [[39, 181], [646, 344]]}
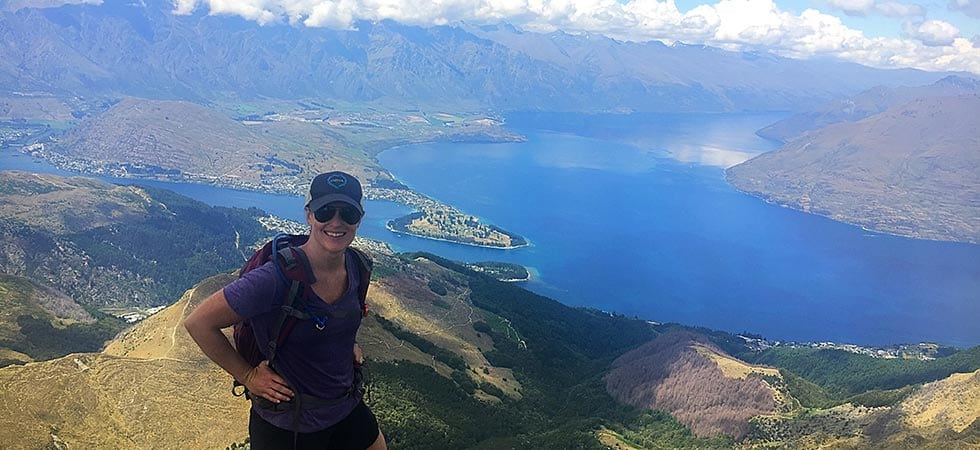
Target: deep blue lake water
{"points": [[632, 214]]}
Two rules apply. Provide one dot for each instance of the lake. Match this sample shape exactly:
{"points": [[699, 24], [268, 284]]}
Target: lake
{"points": [[632, 214]]}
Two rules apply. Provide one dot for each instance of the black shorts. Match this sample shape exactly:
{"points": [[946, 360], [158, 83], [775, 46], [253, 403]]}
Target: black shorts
{"points": [[356, 431]]}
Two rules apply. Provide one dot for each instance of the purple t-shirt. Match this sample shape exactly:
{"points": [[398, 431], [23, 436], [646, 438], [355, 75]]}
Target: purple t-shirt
{"points": [[315, 362]]}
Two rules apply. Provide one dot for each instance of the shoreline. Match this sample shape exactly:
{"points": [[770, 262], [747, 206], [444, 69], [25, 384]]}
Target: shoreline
{"points": [[863, 225], [69, 167], [517, 280], [76, 166], [409, 233], [480, 269]]}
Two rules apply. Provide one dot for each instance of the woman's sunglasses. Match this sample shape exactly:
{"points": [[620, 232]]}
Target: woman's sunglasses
{"points": [[348, 214]]}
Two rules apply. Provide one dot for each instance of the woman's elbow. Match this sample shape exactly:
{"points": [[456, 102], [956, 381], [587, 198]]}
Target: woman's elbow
{"points": [[192, 323], [211, 315]]}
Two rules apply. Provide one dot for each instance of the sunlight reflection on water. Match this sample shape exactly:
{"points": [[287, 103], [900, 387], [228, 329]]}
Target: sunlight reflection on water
{"points": [[709, 156]]}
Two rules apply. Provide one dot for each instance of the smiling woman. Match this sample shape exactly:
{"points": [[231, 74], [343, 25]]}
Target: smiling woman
{"points": [[307, 393]]}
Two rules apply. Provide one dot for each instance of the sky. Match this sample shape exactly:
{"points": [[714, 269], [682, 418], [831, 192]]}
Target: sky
{"points": [[937, 35]]}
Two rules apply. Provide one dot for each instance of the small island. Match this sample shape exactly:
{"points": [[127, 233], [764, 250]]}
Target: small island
{"points": [[502, 271], [439, 221], [448, 224]]}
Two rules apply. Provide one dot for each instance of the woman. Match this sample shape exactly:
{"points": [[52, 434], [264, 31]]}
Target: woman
{"points": [[307, 401]]}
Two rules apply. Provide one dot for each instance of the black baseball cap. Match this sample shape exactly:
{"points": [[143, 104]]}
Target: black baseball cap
{"points": [[331, 187]]}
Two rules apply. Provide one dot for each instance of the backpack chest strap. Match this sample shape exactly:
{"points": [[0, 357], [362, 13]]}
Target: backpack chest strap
{"points": [[290, 311]]}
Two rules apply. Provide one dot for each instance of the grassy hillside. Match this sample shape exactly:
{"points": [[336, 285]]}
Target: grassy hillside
{"points": [[38, 323], [434, 366], [938, 415], [843, 374], [168, 397], [103, 244]]}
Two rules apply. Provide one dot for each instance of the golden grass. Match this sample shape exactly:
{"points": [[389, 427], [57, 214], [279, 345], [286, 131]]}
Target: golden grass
{"points": [[6, 353], [170, 396], [612, 440], [952, 403], [450, 329], [732, 367]]}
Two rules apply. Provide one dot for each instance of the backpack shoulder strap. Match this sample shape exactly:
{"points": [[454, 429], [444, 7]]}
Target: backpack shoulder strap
{"points": [[364, 261], [364, 268], [295, 268]]}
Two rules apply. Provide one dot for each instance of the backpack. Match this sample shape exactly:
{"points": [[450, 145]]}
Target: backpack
{"points": [[294, 268]]}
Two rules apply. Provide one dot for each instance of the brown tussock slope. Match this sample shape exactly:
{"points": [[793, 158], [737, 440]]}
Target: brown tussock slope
{"points": [[952, 403], [674, 373], [173, 398], [162, 335], [445, 320], [942, 415]]}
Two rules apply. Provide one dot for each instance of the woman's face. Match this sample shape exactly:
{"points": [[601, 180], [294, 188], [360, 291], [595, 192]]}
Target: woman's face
{"points": [[334, 234]]}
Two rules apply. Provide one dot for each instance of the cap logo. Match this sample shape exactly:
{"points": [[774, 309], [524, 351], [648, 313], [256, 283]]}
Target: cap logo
{"points": [[337, 181]]}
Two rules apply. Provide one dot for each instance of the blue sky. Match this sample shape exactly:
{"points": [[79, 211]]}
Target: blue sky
{"points": [[938, 35]]}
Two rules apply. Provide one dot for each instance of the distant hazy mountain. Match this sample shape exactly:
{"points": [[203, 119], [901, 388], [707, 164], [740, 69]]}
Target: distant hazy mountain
{"points": [[866, 104], [913, 170], [139, 48]]}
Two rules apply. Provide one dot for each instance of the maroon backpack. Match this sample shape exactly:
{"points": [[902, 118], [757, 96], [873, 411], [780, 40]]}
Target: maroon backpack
{"points": [[294, 268]]}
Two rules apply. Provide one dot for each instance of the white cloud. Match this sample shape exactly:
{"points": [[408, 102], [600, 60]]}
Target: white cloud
{"points": [[729, 24], [896, 9], [184, 7], [933, 33], [756, 21], [968, 7], [853, 7], [884, 8]]}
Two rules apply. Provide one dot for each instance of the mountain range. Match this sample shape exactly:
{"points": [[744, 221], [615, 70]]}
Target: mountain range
{"points": [[142, 49], [866, 104]]}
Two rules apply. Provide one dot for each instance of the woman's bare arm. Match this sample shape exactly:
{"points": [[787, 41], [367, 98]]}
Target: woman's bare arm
{"points": [[205, 323]]}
